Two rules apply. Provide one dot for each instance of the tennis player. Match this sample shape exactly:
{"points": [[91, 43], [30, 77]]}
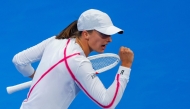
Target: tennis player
{"points": [[64, 68]]}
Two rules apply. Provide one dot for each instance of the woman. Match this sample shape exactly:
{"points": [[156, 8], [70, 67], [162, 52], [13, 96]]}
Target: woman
{"points": [[64, 68]]}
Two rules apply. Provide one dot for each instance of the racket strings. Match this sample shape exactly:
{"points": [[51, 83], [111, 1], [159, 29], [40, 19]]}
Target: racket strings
{"points": [[102, 62]]}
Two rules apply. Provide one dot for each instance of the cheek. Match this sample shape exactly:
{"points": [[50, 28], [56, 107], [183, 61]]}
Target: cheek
{"points": [[95, 42]]}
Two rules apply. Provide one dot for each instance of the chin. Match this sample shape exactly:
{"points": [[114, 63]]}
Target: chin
{"points": [[102, 51]]}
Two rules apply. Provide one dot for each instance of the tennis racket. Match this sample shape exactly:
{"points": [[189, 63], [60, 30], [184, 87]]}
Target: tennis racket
{"points": [[100, 63]]}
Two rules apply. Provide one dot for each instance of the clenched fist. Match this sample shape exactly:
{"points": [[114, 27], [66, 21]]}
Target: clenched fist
{"points": [[126, 56]]}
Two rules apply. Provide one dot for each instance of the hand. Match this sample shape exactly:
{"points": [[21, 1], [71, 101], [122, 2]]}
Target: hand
{"points": [[32, 75], [126, 56]]}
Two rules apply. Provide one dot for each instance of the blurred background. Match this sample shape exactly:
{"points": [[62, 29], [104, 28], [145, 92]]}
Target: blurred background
{"points": [[157, 31]]}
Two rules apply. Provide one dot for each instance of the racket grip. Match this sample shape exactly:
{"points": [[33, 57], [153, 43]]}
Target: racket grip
{"points": [[18, 87]]}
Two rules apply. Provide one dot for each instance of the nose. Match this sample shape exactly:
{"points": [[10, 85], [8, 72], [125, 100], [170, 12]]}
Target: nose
{"points": [[109, 39]]}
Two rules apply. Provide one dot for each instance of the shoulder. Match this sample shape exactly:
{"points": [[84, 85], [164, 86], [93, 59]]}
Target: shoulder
{"points": [[80, 59], [49, 38]]}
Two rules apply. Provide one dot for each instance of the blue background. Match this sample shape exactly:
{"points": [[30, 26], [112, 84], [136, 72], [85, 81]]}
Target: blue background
{"points": [[157, 31]]}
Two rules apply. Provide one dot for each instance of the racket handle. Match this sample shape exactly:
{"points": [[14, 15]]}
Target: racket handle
{"points": [[15, 88]]}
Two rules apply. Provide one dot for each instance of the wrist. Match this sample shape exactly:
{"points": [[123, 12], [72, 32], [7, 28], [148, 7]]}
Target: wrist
{"points": [[128, 65]]}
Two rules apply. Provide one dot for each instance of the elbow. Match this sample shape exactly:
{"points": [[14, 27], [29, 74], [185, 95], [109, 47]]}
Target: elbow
{"points": [[14, 60], [108, 103], [24, 67]]}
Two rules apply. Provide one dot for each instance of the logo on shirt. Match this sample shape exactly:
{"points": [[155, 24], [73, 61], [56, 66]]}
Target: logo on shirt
{"points": [[122, 71], [93, 75]]}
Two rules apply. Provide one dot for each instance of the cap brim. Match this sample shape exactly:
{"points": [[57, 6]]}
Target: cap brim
{"points": [[111, 30]]}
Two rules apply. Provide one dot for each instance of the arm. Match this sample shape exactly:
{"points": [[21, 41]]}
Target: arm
{"points": [[25, 58], [32, 75], [94, 88]]}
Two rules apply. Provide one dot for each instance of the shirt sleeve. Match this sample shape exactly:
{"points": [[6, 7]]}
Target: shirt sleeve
{"points": [[90, 83], [25, 58]]}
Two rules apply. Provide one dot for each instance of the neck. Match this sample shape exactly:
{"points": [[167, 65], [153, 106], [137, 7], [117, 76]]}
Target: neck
{"points": [[84, 45]]}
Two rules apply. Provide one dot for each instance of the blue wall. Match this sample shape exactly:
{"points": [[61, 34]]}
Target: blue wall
{"points": [[157, 31]]}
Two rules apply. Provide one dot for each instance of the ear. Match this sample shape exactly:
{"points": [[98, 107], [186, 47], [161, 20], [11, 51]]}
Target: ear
{"points": [[86, 35]]}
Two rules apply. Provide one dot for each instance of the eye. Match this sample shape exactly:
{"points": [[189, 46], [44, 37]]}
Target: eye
{"points": [[104, 35]]}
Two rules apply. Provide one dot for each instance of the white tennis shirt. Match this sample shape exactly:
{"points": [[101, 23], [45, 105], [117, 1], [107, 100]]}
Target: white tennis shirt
{"points": [[62, 72]]}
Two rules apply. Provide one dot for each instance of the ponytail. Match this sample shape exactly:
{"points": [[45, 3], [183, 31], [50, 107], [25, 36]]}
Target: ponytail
{"points": [[70, 31]]}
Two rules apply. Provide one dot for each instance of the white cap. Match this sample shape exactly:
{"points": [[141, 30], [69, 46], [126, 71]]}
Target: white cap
{"points": [[93, 19]]}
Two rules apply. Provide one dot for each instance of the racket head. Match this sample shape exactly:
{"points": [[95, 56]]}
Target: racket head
{"points": [[104, 62]]}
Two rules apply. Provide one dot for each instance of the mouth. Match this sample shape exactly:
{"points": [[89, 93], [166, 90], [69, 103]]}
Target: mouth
{"points": [[103, 46]]}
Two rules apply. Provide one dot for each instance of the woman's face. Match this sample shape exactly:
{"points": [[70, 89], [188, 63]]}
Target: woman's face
{"points": [[98, 41]]}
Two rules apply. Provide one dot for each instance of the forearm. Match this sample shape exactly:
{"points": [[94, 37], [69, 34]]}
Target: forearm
{"points": [[25, 70], [93, 87], [112, 96]]}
